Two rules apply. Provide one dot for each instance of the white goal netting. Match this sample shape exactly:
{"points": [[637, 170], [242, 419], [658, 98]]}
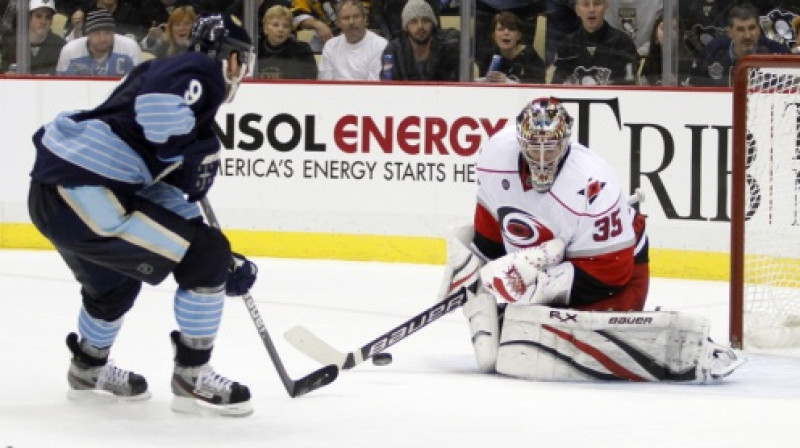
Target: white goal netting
{"points": [[772, 209]]}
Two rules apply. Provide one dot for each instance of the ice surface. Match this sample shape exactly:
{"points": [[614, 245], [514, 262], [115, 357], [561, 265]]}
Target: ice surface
{"points": [[430, 396]]}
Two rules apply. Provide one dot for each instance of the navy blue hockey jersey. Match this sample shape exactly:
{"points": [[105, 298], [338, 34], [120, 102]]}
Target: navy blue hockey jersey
{"points": [[160, 114]]}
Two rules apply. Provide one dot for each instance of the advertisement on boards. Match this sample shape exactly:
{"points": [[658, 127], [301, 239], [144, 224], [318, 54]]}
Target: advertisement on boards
{"points": [[397, 160]]}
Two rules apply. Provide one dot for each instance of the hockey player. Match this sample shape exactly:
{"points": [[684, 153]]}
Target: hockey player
{"points": [[555, 239], [114, 189]]}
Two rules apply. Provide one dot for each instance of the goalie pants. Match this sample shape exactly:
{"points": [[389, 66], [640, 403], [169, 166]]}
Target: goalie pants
{"points": [[630, 298], [146, 243]]}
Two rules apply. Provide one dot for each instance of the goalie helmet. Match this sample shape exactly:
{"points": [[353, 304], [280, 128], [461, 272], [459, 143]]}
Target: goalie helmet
{"points": [[218, 36], [543, 131]]}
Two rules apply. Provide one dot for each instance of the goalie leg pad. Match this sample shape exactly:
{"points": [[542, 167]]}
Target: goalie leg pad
{"points": [[549, 344], [481, 312]]}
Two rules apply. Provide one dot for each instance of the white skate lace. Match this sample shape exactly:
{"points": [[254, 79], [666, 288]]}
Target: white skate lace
{"points": [[213, 380], [113, 376]]}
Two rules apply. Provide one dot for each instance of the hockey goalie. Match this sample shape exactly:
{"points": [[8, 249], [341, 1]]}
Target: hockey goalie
{"points": [[556, 262]]}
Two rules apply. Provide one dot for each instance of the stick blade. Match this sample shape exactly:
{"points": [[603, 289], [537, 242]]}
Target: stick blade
{"points": [[314, 380], [315, 348]]}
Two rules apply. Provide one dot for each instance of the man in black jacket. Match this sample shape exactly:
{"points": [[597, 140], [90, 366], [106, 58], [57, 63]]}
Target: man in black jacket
{"points": [[596, 54], [718, 59], [421, 53]]}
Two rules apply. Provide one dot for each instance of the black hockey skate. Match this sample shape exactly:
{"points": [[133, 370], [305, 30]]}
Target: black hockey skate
{"points": [[201, 390], [92, 377]]}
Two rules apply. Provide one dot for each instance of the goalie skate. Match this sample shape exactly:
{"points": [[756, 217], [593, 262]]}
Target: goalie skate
{"points": [[721, 361], [201, 390], [101, 383]]}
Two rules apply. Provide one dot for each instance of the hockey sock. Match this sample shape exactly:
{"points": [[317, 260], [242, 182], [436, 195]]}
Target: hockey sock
{"points": [[199, 312], [97, 332]]}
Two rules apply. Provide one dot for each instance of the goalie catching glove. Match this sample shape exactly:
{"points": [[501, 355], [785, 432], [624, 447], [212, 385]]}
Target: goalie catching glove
{"points": [[241, 276], [534, 275]]}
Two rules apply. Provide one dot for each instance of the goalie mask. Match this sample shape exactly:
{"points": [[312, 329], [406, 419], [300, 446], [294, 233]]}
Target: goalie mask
{"points": [[218, 36], [543, 131]]}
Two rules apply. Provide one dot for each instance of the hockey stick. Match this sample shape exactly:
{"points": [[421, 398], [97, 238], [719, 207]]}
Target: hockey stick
{"points": [[317, 349], [314, 380]]}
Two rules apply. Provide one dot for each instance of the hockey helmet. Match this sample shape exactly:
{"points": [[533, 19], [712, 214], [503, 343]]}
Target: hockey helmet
{"points": [[219, 35], [543, 131]]}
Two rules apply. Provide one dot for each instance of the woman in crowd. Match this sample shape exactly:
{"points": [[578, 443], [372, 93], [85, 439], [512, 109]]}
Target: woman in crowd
{"points": [[652, 66], [281, 56], [517, 62], [174, 37]]}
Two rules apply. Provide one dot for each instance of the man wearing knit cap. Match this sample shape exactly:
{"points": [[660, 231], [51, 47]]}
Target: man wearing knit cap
{"points": [[101, 52], [421, 53], [385, 16]]}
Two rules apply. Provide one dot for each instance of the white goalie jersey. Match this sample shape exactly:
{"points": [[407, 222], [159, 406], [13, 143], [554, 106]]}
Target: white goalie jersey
{"points": [[585, 207], [582, 207]]}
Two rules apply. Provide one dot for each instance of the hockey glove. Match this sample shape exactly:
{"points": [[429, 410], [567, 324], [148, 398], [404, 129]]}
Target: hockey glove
{"points": [[241, 276], [520, 277], [199, 176]]}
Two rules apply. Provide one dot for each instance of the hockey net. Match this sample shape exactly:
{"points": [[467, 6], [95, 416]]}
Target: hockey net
{"points": [[765, 207]]}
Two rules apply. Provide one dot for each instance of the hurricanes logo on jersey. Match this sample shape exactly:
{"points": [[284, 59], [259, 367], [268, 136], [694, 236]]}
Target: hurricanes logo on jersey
{"points": [[521, 229], [592, 191]]}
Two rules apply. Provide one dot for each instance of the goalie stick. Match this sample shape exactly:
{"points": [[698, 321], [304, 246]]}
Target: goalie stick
{"points": [[314, 380], [317, 349]]}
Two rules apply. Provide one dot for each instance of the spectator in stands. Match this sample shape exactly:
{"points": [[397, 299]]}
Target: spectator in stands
{"points": [[596, 54], [127, 17], [356, 53], [101, 52], [636, 18], [44, 45], [74, 27], [174, 37], [519, 62], [279, 55], [701, 21], [319, 16], [561, 21], [652, 66], [237, 9], [704, 20], [421, 53], [485, 10], [716, 63], [385, 16]]}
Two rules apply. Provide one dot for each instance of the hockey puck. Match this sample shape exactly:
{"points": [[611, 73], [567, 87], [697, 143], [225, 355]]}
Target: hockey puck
{"points": [[382, 359]]}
